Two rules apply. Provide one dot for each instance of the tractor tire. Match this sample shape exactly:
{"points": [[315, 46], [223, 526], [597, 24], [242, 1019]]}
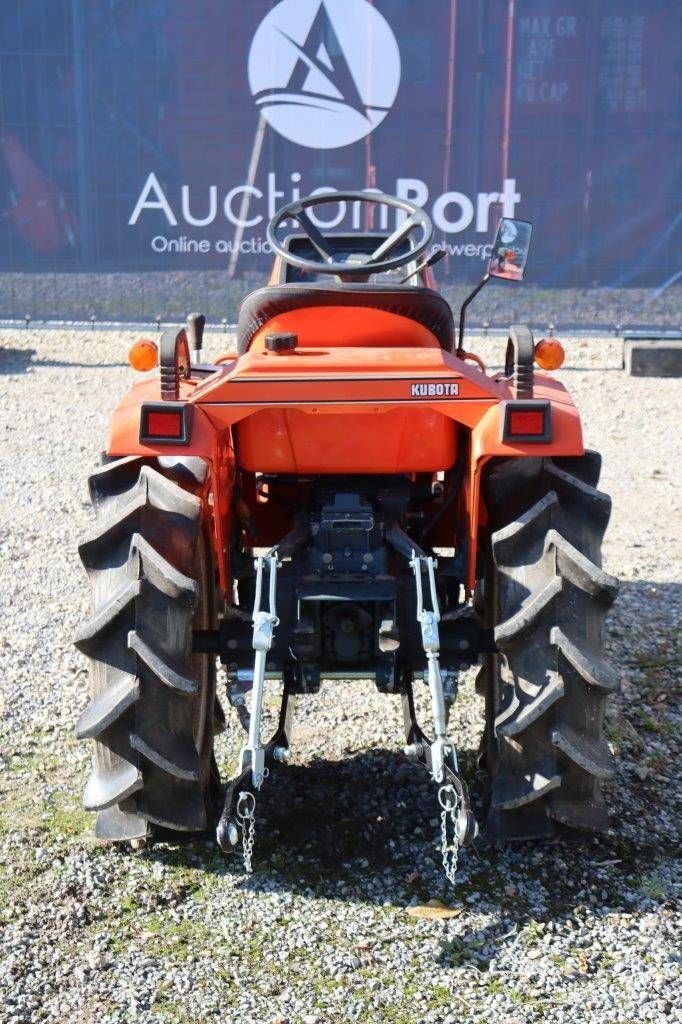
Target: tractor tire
{"points": [[153, 705], [546, 597]]}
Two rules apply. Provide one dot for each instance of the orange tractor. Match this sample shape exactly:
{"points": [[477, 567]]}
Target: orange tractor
{"points": [[351, 495]]}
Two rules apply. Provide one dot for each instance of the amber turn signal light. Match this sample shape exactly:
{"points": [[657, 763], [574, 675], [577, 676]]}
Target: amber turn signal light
{"points": [[143, 355], [549, 354]]}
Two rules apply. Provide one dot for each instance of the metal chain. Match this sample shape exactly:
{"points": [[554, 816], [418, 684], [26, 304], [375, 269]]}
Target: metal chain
{"points": [[449, 802], [246, 815]]}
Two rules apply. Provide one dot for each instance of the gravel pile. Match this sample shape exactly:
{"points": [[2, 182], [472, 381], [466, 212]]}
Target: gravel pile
{"points": [[348, 833]]}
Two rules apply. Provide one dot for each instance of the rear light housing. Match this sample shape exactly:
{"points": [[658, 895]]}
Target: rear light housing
{"points": [[144, 355], [165, 423], [529, 422], [549, 354]]}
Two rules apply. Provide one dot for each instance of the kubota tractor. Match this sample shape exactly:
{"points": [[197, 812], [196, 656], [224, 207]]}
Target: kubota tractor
{"points": [[350, 495]]}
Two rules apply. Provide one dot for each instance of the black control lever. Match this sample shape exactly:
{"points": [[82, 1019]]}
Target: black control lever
{"points": [[436, 256], [195, 334]]}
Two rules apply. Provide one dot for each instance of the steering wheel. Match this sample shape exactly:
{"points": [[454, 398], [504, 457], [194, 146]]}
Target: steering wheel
{"points": [[378, 262]]}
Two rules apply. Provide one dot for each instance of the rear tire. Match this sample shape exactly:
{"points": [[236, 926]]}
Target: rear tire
{"points": [[152, 705], [546, 597]]}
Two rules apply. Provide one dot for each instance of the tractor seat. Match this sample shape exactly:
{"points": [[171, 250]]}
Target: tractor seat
{"points": [[422, 306]]}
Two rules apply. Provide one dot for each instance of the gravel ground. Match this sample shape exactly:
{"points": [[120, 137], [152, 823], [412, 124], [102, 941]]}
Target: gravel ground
{"points": [[348, 834], [139, 297]]}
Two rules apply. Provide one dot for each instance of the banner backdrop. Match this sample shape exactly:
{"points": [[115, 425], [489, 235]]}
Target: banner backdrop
{"points": [[144, 146]]}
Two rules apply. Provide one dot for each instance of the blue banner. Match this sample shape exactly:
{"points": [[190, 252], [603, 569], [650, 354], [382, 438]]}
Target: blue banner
{"points": [[144, 146]]}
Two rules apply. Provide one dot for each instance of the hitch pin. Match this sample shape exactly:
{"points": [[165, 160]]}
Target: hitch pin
{"points": [[264, 622]]}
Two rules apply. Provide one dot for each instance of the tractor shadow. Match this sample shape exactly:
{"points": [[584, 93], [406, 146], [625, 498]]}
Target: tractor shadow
{"points": [[346, 819], [366, 829], [361, 829], [14, 361]]}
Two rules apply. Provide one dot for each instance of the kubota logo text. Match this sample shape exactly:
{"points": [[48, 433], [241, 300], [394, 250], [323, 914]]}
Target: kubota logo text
{"points": [[324, 73], [439, 390]]}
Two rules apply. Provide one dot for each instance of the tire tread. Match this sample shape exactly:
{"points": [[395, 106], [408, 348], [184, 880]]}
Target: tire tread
{"points": [[546, 687]]}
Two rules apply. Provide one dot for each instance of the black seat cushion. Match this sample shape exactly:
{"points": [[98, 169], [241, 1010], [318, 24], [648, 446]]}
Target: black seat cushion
{"points": [[422, 305]]}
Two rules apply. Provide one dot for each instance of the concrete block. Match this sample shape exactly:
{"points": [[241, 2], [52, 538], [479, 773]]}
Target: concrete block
{"points": [[653, 358]]}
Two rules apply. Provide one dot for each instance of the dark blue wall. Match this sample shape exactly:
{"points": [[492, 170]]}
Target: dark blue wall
{"points": [[577, 104]]}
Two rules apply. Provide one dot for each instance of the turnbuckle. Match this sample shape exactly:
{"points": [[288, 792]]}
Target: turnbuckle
{"points": [[264, 622], [439, 757], [442, 750], [238, 816]]}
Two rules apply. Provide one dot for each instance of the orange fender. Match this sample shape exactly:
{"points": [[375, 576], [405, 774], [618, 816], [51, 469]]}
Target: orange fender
{"points": [[487, 443]]}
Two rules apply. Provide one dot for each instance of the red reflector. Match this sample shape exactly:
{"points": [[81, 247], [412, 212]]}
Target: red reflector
{"points": [[164, 424], [530, 421]]}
